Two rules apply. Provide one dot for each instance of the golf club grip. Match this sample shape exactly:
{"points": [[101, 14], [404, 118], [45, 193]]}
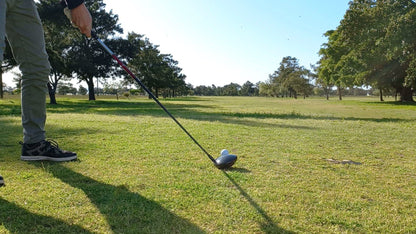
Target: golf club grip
{"points": [[94, 35]]}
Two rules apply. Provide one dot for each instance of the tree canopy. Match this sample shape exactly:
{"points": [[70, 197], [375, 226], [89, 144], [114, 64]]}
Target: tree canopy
{"points": [[373, 45], [289, 80]]}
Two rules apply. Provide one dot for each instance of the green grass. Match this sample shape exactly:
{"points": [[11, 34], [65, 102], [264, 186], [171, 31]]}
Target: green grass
{"points": [[139, 173]]}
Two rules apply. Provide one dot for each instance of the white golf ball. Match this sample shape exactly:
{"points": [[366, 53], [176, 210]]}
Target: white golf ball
{"points": [[224, 152]]}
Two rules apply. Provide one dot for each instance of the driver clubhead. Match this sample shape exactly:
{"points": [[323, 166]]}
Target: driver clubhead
{"points": [[225, 161]]}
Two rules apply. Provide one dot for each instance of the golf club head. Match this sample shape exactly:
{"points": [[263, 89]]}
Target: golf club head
{"points": [[225, 161]]}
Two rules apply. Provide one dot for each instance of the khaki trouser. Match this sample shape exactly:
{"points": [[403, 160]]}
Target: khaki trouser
{"points": [[20, 23]]}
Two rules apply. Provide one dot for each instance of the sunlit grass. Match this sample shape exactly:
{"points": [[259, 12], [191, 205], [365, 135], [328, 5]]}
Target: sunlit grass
{"points": [[139, 173]]}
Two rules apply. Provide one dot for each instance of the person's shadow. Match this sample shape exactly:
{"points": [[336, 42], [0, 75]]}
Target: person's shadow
{"points": [[125, 211], [18, 220]]}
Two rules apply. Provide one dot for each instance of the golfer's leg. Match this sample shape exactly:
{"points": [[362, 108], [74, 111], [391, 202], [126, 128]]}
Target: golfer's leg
{"points": [[2, 27], [25, 34]]}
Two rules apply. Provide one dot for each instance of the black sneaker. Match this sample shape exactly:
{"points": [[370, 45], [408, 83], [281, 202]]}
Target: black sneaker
{"points": [[45, 151], [1, 181]]}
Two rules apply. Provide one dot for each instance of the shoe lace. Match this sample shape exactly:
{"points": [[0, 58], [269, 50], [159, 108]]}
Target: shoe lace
{"points": [[53, 144]]}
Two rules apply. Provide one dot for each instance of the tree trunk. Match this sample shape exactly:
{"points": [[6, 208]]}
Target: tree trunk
{"points": [[52, 92], [91, 93], [406, 94], [326, 90], [339, 93], [381, 96]]}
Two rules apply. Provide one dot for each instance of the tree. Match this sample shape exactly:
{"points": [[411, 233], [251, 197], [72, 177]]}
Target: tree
{"points": [[159, 72], [378, 39], [69, 52], [82, 90], [269, 88], [203, 90], [335, 68], [87, 60], [66, 88], [231, 89], [249, 89], [290, 79]]}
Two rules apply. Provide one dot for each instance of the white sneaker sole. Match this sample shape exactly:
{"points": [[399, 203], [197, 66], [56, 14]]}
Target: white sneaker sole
{"points": [[47, 158]]}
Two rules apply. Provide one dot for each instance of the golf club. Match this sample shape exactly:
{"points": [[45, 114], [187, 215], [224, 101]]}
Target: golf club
{"points": [[222, 162]]}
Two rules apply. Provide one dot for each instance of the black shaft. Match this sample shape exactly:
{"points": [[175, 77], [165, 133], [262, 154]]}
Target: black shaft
{"points": [[94, 35]]}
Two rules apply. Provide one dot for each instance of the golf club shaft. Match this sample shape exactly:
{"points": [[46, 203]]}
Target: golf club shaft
{"points": [[94, 35]]}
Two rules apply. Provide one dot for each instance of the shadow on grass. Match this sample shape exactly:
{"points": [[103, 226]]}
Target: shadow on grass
{"points": [[11, 133], [10, 107], [303, 116], [125, 211], [238, 169], [185, 111], [394, 103], [268, 226], [18, 220], [192, 111], [137, 107], [188, 111]]}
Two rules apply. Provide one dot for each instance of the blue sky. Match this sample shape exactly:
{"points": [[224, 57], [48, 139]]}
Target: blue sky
{"points": [[223, 41]]}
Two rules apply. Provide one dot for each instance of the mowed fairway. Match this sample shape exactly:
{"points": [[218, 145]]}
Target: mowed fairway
{"points": [[139, 173]]}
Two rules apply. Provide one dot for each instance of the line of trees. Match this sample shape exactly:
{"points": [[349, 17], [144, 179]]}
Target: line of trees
{"points": [[72, 56], [374, 46], [232, 89]]}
